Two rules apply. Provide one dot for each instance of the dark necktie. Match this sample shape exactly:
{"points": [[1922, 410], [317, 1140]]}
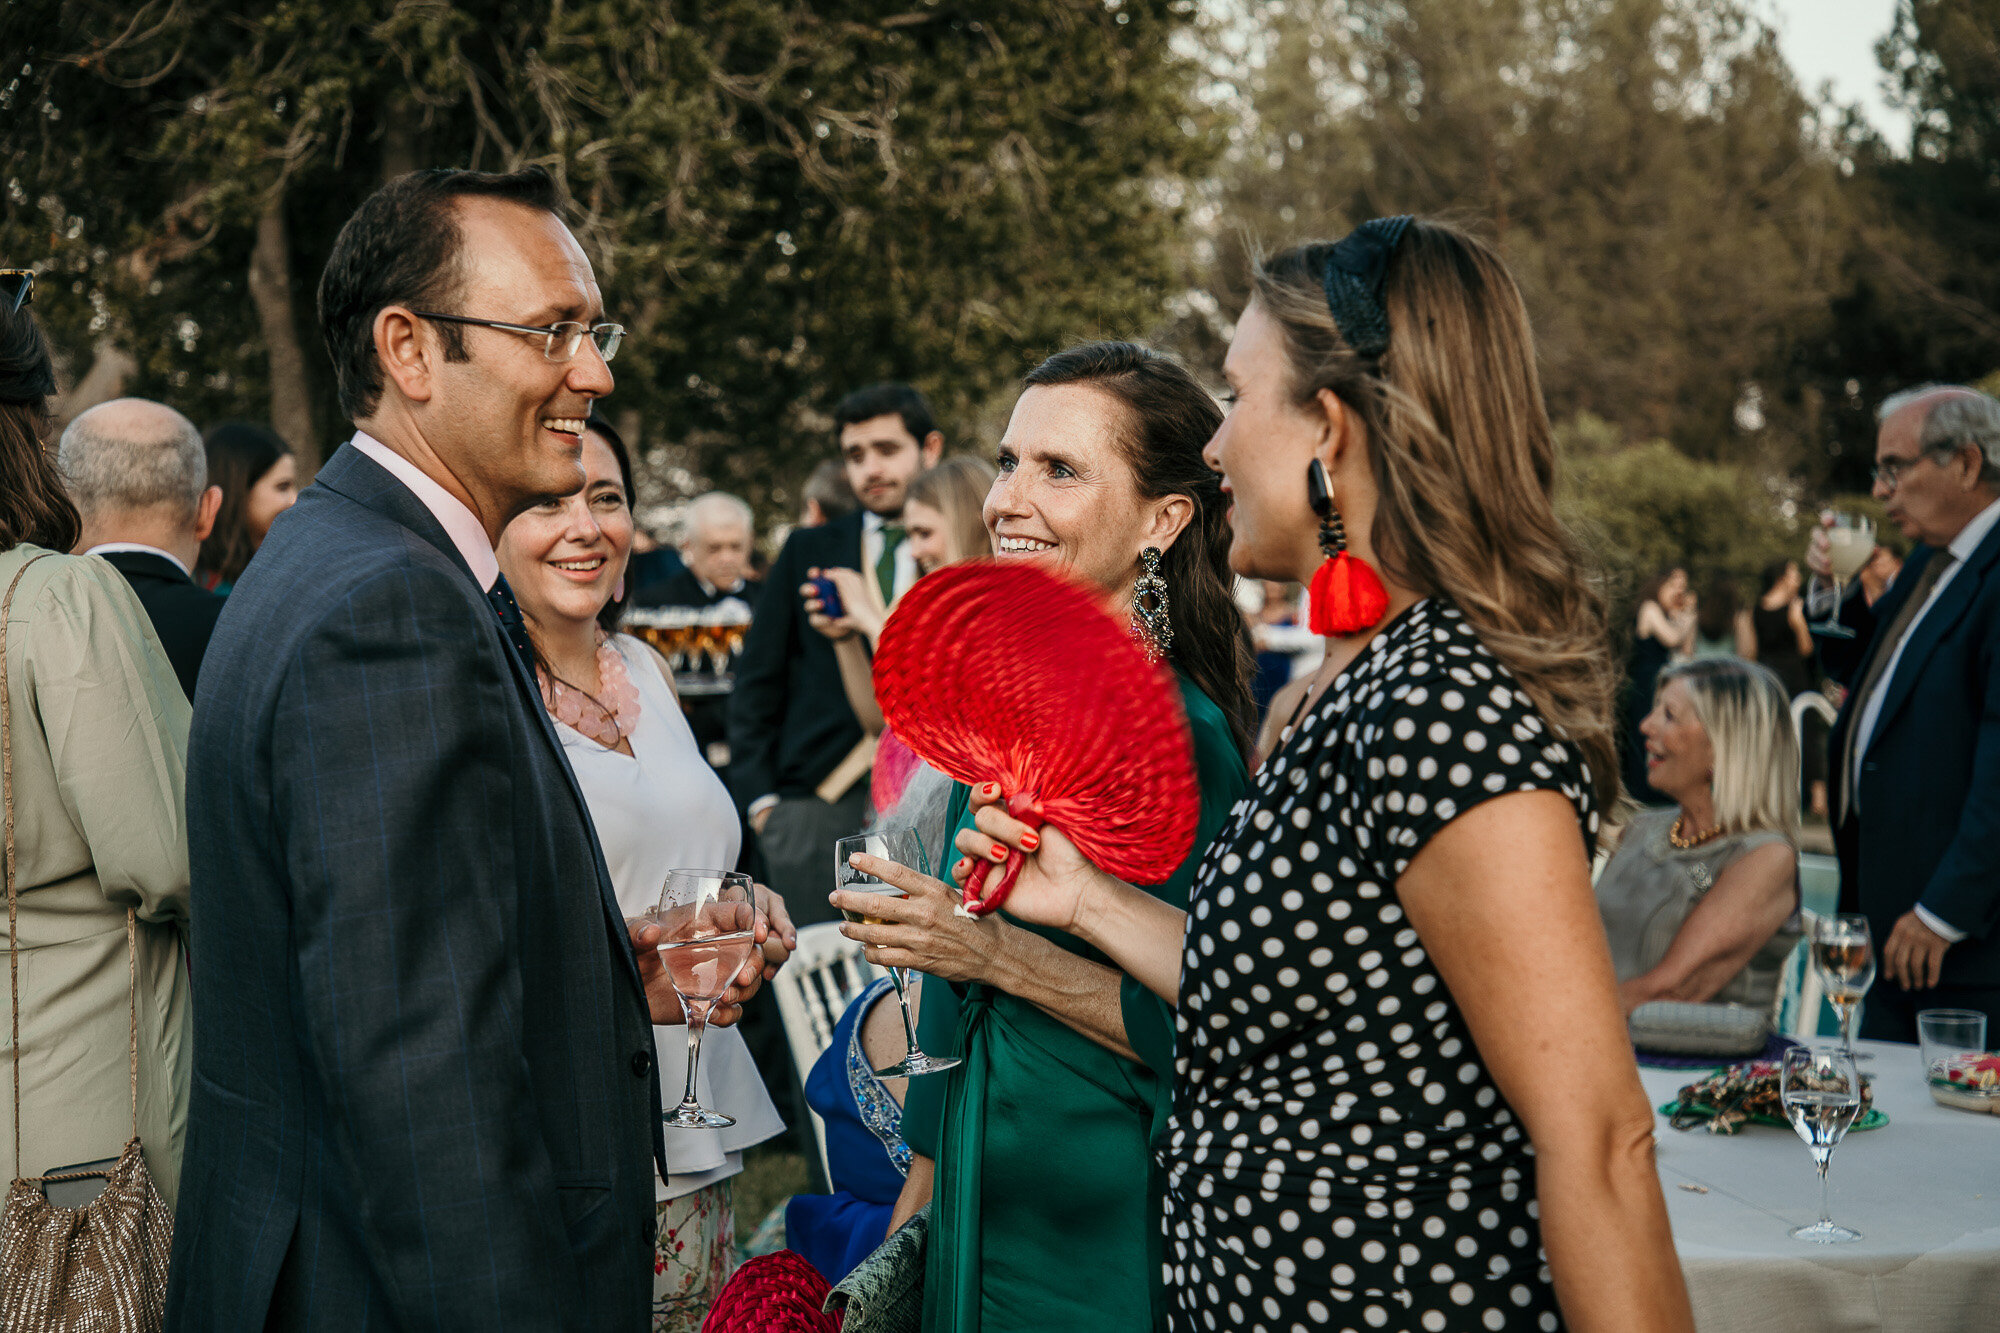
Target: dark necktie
{"points": [[511, 623], [885, 567], [1886, 641]]}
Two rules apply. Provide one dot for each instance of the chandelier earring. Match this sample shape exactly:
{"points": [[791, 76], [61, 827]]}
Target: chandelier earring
{"points": [[1150, 625], [1347, 597]]}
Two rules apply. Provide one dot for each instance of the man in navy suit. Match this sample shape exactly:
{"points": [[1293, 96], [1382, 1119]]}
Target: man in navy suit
{"points": [[1915, 752], [790, 725], [423, 1087]]}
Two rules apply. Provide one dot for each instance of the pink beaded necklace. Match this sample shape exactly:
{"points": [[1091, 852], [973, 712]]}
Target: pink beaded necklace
{"points": [[609, 717]]}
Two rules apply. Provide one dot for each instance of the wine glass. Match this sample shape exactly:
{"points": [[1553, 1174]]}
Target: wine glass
{"points": [[1843, 956], [1822, 1094], [1850, 540], [708, 920], [902, 846]]}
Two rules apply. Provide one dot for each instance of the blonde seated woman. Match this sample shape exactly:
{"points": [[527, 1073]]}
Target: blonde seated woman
{"points": [[941, 516], [1701, 899]]}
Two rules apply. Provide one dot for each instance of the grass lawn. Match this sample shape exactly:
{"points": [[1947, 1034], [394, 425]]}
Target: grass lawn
{"points": [[770, 1176]]}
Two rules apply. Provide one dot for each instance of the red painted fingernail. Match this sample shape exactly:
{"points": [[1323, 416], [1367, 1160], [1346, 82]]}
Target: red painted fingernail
{"points": [[1029, 842], [963, 867], [998, 853], [989, 789]]}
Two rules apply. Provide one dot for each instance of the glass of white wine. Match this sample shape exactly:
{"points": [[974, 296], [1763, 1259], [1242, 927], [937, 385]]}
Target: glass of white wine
{"points": [[904, 847], [1850, 540], [1821, 1088], [708, 920], [1843, 956]]}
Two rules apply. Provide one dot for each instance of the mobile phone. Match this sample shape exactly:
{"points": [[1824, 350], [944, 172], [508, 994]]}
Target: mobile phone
{"points": [[829, 597]]}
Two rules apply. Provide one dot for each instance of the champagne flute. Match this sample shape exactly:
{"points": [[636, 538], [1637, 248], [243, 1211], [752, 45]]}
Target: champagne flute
{"points": [[902, 846], [1822, 1094], [1849, 542], [1843, 956], [709, 920]]}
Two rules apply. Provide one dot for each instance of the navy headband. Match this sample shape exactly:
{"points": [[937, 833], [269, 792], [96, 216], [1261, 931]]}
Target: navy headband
{"points": [[1352, 271]]}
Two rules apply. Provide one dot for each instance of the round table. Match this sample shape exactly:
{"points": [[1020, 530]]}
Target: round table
{"points": [[1923, 1191]]}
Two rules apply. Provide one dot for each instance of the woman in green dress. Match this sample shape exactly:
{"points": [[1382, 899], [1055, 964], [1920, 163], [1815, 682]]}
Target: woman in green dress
{"points": [[1035, 1153]]}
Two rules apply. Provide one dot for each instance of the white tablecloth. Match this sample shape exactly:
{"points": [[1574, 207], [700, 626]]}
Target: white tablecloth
{"points": [[1923, 1191]]}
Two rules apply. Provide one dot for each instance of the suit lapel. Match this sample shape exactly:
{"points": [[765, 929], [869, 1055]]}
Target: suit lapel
{"points": [[353, 474], [1924, 637], [1849, 716]]}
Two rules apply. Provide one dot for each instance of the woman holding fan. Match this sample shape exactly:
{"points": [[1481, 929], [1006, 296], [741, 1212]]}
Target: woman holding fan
{"points": [[1403, 1093], [1035, 1152]]}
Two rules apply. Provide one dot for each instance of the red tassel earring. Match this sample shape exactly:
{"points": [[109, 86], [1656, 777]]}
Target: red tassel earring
{"points": [[1347, 596]]}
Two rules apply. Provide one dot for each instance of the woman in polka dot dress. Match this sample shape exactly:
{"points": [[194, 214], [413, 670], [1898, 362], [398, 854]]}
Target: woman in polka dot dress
{"points": [[1403, 1094]]}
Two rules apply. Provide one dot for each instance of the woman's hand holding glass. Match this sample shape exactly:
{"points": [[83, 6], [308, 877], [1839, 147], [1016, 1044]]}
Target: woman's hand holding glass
{"points": [[777, 937], [918, 931], [774, 933]]}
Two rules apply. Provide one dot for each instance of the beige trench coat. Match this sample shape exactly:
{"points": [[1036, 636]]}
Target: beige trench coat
{"points": [[100, 733]]}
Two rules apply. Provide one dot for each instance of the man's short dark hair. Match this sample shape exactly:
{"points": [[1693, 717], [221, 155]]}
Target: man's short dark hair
{"points": [[401, 247], [889, 399]]}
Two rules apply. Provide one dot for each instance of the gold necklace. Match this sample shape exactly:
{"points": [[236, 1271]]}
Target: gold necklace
{"points": [[1683, 842]]}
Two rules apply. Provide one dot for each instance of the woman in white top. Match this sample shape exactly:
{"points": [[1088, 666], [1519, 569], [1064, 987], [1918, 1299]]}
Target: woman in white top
{"points": [[657, 806]]}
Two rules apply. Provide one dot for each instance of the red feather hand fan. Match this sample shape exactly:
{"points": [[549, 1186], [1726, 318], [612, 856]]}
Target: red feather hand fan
{"points": [[997, 671]]}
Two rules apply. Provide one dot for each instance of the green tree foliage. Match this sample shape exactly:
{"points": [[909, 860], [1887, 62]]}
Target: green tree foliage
{"points": [[783, 199], [1648, 168], [1921, 299], [1648, 507]]}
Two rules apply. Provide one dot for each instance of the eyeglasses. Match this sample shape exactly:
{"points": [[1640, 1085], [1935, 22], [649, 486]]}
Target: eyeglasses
{"points": [[17, 287], [1889, 472], [560, 342]]}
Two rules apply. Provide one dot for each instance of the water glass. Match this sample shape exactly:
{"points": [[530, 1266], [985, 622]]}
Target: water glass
{"points": [[1942, 1033], [709, 924], [1821, 1088], [1843, 957], [1850, 542], [905, 848]]}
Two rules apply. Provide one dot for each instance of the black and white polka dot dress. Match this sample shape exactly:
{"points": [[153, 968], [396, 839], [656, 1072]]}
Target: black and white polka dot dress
{"points": [[1338, 1155]]}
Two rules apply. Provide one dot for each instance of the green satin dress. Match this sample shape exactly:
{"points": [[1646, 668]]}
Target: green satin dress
{"points": [[1045, 1211]]}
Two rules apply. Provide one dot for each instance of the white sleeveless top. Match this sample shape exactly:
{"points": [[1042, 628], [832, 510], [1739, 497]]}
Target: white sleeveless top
{"points": [[661, 809]]}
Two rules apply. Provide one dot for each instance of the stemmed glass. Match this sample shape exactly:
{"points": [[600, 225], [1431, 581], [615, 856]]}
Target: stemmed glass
{"points": [[1822, 1093], [902, 846], [1843, 955], [1850, 540], [709, 921]]}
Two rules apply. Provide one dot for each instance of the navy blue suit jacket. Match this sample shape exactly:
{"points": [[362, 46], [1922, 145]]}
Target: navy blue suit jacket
{"points": [[422, 1091], [1928, 824]]}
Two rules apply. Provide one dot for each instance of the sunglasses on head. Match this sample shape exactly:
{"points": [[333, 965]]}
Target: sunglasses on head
{"points": [[17, 287]]}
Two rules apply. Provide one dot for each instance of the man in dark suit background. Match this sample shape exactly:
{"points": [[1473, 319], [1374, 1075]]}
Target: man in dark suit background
{"points": [[139, 477], [792, 734], [423, 1088], [1915, 752]]}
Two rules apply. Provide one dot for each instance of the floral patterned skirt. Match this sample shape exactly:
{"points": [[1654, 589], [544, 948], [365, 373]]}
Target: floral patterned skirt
{"points": [[694, 1252]]}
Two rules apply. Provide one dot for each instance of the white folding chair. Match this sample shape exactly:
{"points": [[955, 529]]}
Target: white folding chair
{"points": [[1803, 1009], [814, 988], [1810, 701]]}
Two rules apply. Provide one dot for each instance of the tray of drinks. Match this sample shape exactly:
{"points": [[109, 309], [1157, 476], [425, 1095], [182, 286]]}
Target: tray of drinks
{"points": [[698, 642]]}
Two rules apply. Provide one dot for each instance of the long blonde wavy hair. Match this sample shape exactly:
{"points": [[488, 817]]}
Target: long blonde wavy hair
{"points": [[1462, 454]]}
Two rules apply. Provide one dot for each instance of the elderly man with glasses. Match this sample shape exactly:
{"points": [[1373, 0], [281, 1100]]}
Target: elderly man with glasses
{"points": [[1916, 749]]}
